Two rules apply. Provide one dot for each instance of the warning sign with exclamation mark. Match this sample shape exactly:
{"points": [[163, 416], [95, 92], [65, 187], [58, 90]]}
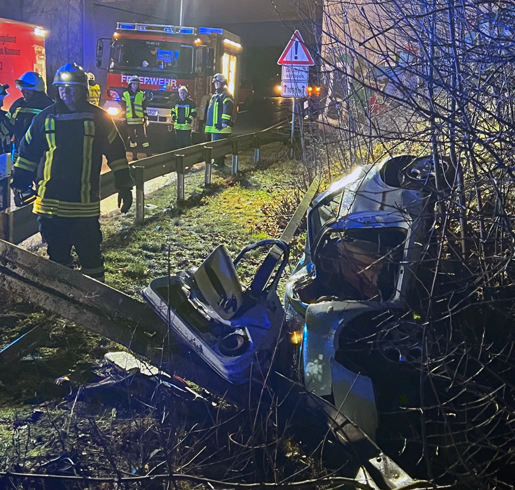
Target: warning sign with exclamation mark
{"points": [[296, 52]]}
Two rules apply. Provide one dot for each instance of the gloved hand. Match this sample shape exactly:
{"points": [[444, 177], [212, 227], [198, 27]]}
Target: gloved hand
{"points": [[125, 197], [189, 120], [219, 126]]}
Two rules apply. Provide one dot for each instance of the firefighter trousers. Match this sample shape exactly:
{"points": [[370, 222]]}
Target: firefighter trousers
{"points": [[182, 138], [83, 234], [220, 161], [138, 139]]}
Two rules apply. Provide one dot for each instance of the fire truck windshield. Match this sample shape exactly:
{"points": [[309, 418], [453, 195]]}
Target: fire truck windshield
{"points": [[152, 56]]}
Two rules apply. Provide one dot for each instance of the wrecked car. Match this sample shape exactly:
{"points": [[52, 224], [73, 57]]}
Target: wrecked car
{"points": [[230, 327], [351, 301]]}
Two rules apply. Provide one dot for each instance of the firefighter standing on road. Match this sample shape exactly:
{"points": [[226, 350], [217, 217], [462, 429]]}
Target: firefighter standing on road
{"points": [[33, 101], [62, 151], [94, 92], [219, 114], [183, 113], [136, 117]]}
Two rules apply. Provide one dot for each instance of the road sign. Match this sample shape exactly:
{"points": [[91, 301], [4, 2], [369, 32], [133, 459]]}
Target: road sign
{"points": [[296, 53], [295, 73], [289, 88]]}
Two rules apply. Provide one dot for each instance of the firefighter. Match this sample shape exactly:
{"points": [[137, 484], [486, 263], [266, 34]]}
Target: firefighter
{"points": [[136, 117], [62, 151], [219, 114], [183, 113], [5, 126], [94, 92], [33, 101]]}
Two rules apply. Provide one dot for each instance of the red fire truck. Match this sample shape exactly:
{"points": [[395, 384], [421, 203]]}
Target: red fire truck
{"points": [[165, 57], [22, 49]]}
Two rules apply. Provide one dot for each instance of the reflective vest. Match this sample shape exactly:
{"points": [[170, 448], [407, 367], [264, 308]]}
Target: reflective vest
{"points": [[63, 151], [220, 111], [182, 114], [94, 93], [134, 111], [22, 113]]}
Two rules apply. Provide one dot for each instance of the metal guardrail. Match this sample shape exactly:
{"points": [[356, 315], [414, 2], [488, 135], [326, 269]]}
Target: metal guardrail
{"points": [[19, 224]]}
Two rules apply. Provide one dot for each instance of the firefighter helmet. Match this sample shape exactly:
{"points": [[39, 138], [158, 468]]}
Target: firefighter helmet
{"points": [[183, 87], [3, 91], [220, 78], [70, 74], [31, 81], [134, 79]]}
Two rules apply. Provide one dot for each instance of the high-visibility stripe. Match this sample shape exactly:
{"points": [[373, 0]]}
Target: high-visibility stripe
{"points": [[49, 155], [25, 164], [66, 209], [28, 136], [112, 135], [226, 116], [118, 164], [87, 157], [74, 116], [24, 110], [212, 129]]}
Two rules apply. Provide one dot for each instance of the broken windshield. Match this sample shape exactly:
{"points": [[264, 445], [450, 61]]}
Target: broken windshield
{"points": [[152, 56], [360, 264]]}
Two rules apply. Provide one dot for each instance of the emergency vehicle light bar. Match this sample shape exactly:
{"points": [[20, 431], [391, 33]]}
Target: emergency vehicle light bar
{"points": [[123, 26], [210, 30]]}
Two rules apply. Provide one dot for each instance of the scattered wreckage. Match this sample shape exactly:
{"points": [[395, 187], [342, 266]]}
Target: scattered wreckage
{"points": [[349, 297]]}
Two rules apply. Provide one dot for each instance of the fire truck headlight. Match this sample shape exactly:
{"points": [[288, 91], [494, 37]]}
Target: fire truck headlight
{"points": [[113, 111], [114, 95]]}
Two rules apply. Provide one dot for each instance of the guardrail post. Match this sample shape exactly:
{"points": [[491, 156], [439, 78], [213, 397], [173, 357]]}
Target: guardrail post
{"points": [[235, 157], [256, 148], [137, 174], [180, 177], [209, 160]]}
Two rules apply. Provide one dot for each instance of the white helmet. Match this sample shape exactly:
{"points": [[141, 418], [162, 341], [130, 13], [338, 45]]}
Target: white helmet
{"points": [[219, 78], [91, 77], [31, 81], [134, 79], [183, 87]]}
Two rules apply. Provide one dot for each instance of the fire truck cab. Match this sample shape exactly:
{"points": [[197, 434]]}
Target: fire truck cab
{"points": [[165, 57]]}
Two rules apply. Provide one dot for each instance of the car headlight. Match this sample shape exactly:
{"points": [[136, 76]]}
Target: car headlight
{"points": [[113, 111]]}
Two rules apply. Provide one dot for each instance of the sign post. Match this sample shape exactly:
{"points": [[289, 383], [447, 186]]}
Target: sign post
{"points": [[295, 61]]}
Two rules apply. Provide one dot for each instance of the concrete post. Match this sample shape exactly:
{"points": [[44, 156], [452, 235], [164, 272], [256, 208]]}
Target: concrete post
{"points": [[137, 174], [209, 160], [235, 157], [256, 148], [180, 177]]}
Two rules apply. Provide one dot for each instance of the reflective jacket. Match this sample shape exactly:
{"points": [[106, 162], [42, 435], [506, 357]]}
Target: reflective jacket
{"points": [[182, 114], [5, 133], [94, 94], [22, 113], [220, 111], [62, 151], [135, 107]]}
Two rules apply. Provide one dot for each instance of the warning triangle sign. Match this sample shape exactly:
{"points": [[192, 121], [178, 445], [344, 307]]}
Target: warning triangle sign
{"points": [[296, 53]]}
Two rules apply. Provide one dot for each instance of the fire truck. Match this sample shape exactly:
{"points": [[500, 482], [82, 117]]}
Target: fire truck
{"points": [[22, 49], [165, 57]]}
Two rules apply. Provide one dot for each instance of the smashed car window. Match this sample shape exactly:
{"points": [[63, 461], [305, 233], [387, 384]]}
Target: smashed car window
{"points": [[359, 264]]}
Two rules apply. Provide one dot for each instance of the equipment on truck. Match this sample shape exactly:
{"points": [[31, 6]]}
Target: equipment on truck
{"points": [[164, 58]]}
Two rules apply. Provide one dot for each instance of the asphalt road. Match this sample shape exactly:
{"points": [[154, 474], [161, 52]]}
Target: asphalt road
{"points": [[262, 114]]}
